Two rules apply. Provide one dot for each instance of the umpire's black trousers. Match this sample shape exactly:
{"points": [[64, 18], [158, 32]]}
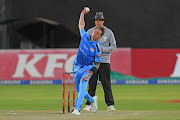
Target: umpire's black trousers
{"points": [[104, 76]]}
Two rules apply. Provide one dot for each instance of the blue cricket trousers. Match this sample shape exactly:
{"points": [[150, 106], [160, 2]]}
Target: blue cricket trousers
{"points": [[79, 73]]}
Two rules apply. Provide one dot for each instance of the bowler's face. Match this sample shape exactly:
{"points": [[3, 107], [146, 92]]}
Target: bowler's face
{"points": [[99, 23], [97, 34]]}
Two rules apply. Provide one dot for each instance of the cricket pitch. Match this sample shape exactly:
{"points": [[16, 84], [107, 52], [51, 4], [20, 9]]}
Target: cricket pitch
{"points": [[88, 115]]}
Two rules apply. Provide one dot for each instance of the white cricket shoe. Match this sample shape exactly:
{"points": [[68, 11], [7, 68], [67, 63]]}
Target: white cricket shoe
{"points": [[111, 108], [76, 111], [87, 108], [94, 104]]}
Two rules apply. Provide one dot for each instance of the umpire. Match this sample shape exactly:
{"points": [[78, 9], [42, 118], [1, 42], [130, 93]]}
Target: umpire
{"points": [[108, 44]]}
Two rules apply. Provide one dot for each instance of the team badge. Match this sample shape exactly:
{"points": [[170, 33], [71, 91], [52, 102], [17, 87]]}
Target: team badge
{"points": [[92, 49], [105, 38]]}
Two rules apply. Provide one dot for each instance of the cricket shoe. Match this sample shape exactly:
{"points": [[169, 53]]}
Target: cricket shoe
{"points": [[111, 108], [75, 111], [94, 104], [87, 108]]}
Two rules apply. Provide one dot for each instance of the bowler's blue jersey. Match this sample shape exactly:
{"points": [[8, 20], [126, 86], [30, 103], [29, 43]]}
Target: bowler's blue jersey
{"points": [[89, 51]]}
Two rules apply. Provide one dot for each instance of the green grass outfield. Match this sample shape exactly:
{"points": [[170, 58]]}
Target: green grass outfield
{"points": [[131, 98]]}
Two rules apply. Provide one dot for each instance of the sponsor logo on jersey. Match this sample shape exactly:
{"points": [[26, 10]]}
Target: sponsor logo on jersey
{"points": [[86, 47], [83, 51]]}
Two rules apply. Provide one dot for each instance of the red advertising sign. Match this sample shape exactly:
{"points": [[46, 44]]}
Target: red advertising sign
{"points": [[49, 64], [148, 63], [121, 61], [35, 64]]}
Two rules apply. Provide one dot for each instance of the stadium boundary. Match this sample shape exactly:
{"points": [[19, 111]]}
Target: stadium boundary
{"points": [[114, 82]]}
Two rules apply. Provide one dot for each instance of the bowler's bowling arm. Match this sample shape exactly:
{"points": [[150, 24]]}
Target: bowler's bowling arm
{"points": [[81, 24], [81, 21], [92, 71]]}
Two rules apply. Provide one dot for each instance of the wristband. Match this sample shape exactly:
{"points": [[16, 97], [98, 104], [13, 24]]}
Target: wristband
{"points": [[94, 69]]}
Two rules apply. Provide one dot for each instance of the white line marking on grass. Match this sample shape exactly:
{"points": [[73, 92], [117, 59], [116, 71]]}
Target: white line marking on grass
{"points": [[138, 113], [14, 113]]}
